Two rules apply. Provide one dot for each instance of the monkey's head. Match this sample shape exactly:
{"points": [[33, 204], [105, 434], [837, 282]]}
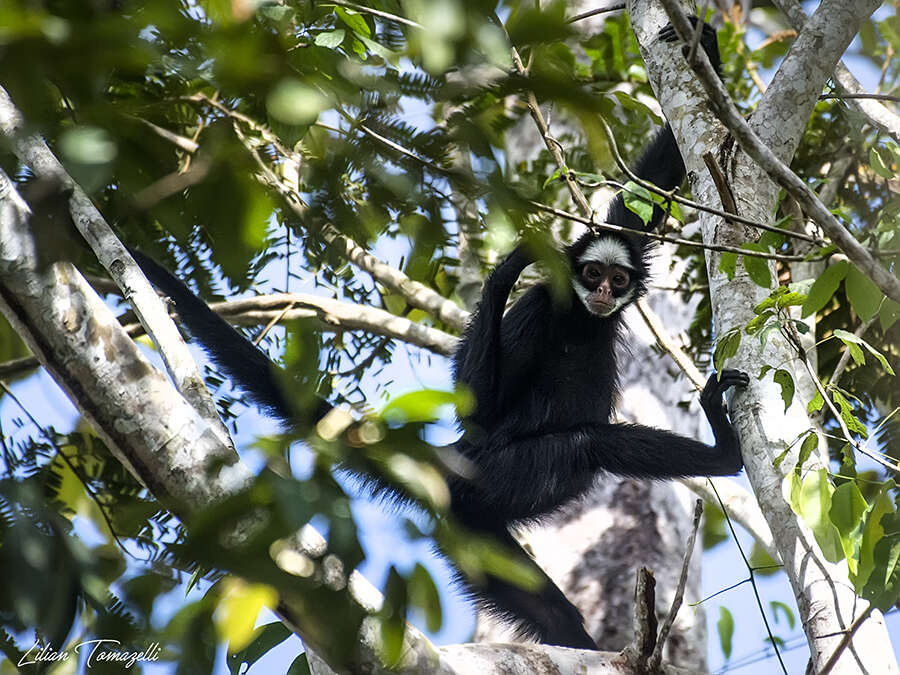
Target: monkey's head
{"points": [[609, 271]]}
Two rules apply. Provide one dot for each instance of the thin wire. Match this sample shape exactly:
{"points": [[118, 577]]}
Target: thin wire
{"points": [[751, 570]]}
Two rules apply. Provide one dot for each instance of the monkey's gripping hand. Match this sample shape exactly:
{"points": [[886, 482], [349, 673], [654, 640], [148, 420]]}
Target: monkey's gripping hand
{"points": [[707, 40], [727, 444]]}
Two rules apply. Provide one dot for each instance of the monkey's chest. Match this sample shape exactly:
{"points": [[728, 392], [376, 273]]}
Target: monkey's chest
{"points": [[576, 385]]}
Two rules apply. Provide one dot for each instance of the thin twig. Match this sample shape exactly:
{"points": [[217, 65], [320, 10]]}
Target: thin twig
{"points": [[762, 611], [84, 483], [656, 657], [278, 318], [698, 31], [644, 619], [842, 645], [847, 435], [415, 293], [665, 341], [595, 12], [376, 12], [876, 97], [612, 227], [551, 143], [722, 187]]}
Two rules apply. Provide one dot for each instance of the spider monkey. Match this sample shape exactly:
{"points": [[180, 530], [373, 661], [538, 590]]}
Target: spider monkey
{"points": [[544, 379]]}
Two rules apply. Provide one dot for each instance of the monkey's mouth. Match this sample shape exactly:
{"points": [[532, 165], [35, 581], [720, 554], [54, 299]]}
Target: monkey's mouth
{"points": [[600, 304]]}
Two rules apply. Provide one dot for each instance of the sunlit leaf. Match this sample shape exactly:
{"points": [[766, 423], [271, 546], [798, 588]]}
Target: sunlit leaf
{"points": [[725, 628], [240, 604]]}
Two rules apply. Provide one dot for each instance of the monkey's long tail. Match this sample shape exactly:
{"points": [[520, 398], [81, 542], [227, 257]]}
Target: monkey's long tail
{"points": [[239, 358]]}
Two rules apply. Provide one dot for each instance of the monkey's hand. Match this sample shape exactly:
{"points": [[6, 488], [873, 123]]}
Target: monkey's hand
{"points": [[714, 407], [707, 40]]}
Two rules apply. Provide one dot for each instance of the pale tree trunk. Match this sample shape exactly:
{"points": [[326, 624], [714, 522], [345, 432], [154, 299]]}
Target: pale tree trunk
{"points": [[825, 598]]}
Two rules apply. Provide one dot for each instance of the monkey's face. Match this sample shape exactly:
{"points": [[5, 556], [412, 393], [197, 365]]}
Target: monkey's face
{"points": [[604, 277]]}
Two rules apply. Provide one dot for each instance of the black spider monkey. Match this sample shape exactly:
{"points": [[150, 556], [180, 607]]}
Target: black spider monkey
{"points": [[544, 378]]}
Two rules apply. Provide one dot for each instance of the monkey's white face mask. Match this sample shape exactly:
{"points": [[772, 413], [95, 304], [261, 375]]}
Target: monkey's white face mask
{"points": [[602, 278]]}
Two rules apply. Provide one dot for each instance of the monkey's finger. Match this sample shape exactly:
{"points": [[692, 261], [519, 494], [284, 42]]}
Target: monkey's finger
{"points": [[734, 377], [733, 374], [667, 33]]}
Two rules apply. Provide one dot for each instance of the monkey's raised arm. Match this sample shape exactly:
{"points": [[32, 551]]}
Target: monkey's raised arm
{"points": [[476, 363]]}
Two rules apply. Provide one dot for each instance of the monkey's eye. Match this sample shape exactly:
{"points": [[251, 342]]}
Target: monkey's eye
{"points": [[620, 279], [592, 272]]}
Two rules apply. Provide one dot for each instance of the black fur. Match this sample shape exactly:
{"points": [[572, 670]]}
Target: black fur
{"points": [[544, 377]]}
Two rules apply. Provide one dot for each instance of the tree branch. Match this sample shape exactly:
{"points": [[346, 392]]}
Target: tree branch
{"points": [[775, 168], [802, 74], [33, 152], [656, 657], [878, 115], [335, 315]]}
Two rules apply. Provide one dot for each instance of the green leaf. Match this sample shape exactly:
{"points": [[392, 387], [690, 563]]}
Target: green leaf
{"points": [[784, 609], [589, 177], [879, 166], [424, 594], [269, 636], [780, 297], [354, 22], [388, 55], [816, 404], [393, 617], [299, 666], [848, 507], [552, 177], [238, 609], [852, 340], [847, 415], [714, 532], [784, 380], [330, 39], [824, 288], [810, 445], [638, 200], [725, 626], [757, 322], [890, 312], [781, 457], [757, 268], [629, 102], [726, 347], [810, 498], [864, 295], [761, 562], [425, 405], [293, 102], [873, 532], [883, 586], [728, 264], [856, 353]]}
